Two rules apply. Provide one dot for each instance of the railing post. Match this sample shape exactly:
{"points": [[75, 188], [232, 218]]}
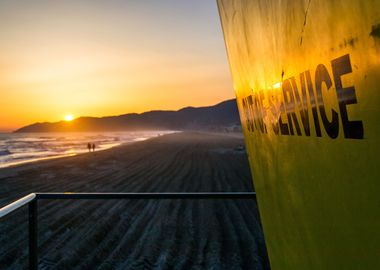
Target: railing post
{"points": [[33, 235]]}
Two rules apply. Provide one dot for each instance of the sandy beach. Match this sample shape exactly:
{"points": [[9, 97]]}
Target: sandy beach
{"points": [[126, 234]]}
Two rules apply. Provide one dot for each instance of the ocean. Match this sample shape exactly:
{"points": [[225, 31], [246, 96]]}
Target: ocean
{"points": [[19, 148]]}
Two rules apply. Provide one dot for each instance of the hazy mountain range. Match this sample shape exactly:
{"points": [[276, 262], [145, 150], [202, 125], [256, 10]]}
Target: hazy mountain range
{"points": [[222, 116]]}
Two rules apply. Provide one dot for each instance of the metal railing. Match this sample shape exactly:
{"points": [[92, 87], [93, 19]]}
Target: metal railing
{"points": [[32, 201]]}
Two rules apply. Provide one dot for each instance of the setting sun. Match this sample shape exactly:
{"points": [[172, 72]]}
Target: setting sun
{"points": [[102, 66], [69, 117]]}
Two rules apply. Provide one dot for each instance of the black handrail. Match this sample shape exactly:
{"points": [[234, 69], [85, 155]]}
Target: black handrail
{"points": [[168, 195], [32, 201]]}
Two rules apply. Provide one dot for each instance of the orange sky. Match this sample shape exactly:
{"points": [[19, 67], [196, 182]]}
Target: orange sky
{"points": [[101, 58]]}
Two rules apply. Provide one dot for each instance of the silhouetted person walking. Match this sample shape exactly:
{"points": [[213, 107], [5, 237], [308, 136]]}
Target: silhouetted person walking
{"points": [[89, 147], [93, 147]]}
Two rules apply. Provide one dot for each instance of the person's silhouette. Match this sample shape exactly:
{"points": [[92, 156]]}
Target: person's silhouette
{"points": [[89, 147], [93, 147]]}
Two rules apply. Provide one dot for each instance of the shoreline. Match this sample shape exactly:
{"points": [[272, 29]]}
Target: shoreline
{"points": [[23, 162]]}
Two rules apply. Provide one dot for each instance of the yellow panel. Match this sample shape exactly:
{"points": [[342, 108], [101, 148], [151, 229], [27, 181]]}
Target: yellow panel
{"points": [[307, 81]]}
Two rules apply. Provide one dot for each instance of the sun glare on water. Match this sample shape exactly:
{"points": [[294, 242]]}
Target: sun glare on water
{"points": [[69, 117]]}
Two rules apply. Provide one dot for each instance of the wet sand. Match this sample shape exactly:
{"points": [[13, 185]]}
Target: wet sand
{"points": [[138, 234]]}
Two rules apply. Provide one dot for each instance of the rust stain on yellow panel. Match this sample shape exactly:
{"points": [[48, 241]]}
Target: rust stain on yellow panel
{"points": [[307, 81]]}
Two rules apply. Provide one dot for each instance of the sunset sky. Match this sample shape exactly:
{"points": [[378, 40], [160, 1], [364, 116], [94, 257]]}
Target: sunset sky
{"points": [[97, 58]]}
